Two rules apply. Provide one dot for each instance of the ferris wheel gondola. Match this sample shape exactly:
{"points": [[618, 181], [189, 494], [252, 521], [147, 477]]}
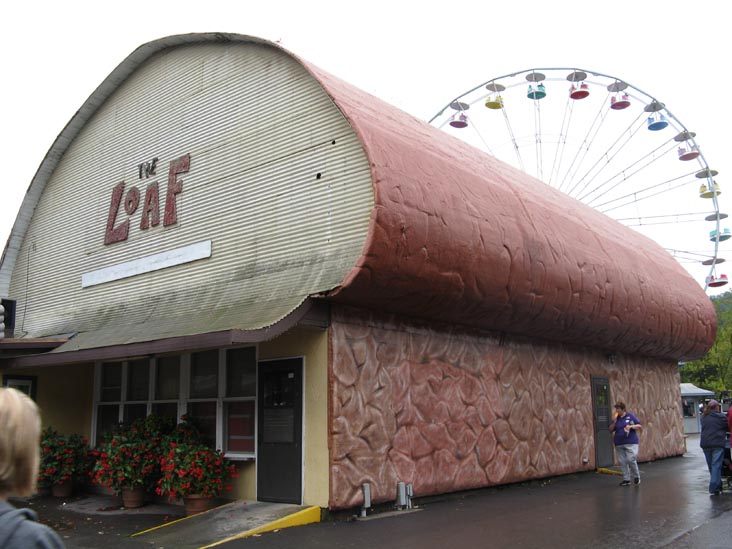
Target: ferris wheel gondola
{"points": [[608, 144]]}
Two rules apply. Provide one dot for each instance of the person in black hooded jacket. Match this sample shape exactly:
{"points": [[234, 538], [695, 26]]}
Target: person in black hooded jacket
{"points": [[712, 441], [20, 430]]}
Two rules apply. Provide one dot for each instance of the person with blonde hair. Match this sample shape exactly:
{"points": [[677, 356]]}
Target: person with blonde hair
{"points": [[20, 432]]}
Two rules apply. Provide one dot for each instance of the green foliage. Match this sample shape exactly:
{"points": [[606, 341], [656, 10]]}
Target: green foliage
{"points": [[63, 457], [185, 432], [154, 452], [723, 303], [189, 467], [193, 469], [131, 454], [714, 370]]}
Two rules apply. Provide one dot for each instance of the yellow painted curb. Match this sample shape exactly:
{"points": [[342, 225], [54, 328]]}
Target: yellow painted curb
{"points": [[306, 516], [160, 526], [608, 471], [176, 521]]}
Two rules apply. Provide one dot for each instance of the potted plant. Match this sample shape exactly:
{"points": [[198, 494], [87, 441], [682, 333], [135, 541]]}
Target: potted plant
{"points": [[128, 460], [64, 459], [194, 472]]}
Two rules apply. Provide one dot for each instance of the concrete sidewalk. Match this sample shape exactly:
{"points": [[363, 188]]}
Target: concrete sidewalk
{"points": [[238, 519], [92, 520]]}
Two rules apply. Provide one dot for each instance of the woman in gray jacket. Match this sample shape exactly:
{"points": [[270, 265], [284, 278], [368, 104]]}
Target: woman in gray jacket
{"points": [[713, 438], [20, 429]]}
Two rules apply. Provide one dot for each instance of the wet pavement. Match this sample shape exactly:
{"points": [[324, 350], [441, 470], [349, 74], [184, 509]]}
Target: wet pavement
{"points": [[671, 508], [91, 521]]}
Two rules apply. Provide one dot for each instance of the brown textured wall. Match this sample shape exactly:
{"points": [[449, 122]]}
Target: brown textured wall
{"points": [[458, 236], [448, 410]]}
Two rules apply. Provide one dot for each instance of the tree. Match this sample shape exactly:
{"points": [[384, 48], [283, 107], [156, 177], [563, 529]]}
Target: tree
{"points": [[714, 370]]}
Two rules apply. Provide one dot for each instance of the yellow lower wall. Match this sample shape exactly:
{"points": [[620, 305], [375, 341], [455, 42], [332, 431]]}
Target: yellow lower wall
{"points": [[311, 344], [65, 396], [245, 486]]}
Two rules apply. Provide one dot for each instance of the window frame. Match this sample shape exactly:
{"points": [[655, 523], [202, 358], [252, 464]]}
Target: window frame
{"points": [[19, 382], [184, 399], [224, 400]]}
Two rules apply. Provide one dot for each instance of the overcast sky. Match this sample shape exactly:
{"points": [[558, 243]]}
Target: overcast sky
{"points": [[415, 55]]}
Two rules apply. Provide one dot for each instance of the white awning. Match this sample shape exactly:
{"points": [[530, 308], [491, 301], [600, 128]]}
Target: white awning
{"points": [[691, 390]]}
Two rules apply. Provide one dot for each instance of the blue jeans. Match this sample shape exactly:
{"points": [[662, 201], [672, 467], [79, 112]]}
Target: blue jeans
{"points": [[715, 460]]}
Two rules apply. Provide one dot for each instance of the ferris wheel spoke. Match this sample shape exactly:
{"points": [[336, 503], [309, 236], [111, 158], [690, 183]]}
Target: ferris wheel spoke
{"points": [[482, 139], [664, 219], [606, 157], [624, 175], [561, 145], [512, 137], [645, 193], [689, 256], [584, 146]]}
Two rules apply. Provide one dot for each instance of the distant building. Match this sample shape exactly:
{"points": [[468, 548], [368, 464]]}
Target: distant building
{"points": [[337, 291], [692, 401]]}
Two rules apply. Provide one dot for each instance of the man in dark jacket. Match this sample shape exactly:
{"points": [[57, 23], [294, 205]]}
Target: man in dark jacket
{"points": [[713, 437]]}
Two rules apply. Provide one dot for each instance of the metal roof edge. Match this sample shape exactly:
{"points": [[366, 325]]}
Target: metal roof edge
{"points": [[304, 313]]}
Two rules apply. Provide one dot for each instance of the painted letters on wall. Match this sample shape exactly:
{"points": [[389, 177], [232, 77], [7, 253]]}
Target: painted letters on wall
{"points": [[151, 204]]}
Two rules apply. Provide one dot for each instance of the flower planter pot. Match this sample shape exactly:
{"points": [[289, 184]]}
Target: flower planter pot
{"points": [[63, 490], [133, 497], [197, 504]]}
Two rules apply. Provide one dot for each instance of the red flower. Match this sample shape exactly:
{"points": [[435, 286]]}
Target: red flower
{"points": [[62, 457], [188, 469]]}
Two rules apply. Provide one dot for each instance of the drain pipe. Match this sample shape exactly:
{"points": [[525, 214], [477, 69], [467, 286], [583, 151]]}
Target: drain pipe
{"points": [[401, 501], [366, 487]]}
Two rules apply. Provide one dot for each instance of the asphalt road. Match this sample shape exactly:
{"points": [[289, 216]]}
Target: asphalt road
{"points": [[671, 508]]}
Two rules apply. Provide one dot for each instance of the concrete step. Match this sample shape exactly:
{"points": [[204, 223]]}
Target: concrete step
{"points": [[234, 520]]}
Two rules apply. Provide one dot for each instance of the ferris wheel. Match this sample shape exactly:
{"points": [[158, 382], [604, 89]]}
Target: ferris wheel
{"points": [[608, 144]]}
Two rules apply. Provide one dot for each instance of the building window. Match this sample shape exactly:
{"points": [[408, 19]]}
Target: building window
{"points": [[240, 400], [204, 374], [138, 380], [24, 384], [240, 421], [689, 407], [107, 419], [111, 382], [166, 386], [216, 388], [203, 393], [109, 400]]}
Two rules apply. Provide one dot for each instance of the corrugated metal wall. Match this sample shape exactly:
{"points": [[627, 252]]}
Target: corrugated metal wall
{"points": [[277, 181]]}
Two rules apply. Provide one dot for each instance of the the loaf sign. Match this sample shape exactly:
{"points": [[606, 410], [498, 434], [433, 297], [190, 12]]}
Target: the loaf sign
{"points": [[151, 202]]}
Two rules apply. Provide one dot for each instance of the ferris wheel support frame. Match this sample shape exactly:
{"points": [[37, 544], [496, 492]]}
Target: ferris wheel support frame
{"points": [[651, 100]]}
